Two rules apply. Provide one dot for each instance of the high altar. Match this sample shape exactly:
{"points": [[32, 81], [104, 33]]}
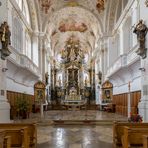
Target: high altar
{"points": [[74, 78]]}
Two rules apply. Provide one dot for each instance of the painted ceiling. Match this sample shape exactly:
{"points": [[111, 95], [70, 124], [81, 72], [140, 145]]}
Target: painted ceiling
{"points": [[81, 19]]}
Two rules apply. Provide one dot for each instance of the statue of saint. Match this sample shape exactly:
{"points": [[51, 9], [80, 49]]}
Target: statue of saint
{"points": [[141, 31], [5, 35], [86, 81], [59, 82]]}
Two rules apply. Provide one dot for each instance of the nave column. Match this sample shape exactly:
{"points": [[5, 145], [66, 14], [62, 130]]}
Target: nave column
{"points": [[4, 105]]}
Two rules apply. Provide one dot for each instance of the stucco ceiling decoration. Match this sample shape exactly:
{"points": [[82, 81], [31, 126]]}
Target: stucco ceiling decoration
{"points": [[100, 5], [71, 3], [72, 25], [45, 5], [73, 21], [82, 19]]}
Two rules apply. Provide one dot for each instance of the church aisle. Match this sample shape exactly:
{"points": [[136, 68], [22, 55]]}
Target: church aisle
{"points": [[76, 136], [73, 136]]}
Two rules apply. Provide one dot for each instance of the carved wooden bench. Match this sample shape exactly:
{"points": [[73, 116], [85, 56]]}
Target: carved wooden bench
{"points": [[18, 136], [31, 131], [118, 130], [145, 141], [133, 136], [5, 141]]}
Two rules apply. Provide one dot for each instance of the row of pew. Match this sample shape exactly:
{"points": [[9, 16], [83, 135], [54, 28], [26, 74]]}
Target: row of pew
{"points": [[18, 135], [127, 134]]}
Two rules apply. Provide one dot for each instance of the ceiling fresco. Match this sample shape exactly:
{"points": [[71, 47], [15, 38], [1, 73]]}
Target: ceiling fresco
{"points": [[71, 25], [82, 19]]}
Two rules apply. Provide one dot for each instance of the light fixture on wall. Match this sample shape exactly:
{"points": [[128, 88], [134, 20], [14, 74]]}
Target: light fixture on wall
{"points": [[4, 69], [142, 69]]}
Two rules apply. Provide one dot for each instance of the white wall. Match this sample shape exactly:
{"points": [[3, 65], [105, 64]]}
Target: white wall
{"points": [[16, 87], [129, 69]]}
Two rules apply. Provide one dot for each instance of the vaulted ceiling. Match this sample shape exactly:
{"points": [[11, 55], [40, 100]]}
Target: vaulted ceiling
{"points": [[84, 20]]}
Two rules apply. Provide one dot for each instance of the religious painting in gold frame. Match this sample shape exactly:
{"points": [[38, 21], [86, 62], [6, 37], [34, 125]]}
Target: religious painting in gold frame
{"points": [[39, 92], [107, 91]]}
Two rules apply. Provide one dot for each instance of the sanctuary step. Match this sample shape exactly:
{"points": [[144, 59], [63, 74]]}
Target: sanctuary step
{"points": [[83, 122]]}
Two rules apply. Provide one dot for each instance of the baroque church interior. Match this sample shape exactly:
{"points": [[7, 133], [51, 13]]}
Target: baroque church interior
{"points": [[73, 73]]}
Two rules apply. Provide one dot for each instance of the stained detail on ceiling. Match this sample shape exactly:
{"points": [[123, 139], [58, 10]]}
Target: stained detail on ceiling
{"points": [[45, 5]]}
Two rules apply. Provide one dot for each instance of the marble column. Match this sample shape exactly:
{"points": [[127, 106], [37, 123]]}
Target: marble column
{"points": [[143, 104]]}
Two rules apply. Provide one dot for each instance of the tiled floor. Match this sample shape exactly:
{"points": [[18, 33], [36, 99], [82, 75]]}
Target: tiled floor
{"points": [[74, 136]]}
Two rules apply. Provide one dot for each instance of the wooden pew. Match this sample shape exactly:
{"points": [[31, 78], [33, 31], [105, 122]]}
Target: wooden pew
{"points": [[133, 136], [7, 142], [145, 141], [118, 130], [18, 137], [31, 131], [2, 135]]}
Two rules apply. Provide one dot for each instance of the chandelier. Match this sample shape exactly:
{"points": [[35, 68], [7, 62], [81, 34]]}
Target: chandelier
{"points": [[45, 5]]}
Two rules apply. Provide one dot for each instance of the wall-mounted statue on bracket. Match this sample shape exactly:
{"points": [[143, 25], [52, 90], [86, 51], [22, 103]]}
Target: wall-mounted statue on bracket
{"points": [[141, 31], [5, 40], [146, 3]]}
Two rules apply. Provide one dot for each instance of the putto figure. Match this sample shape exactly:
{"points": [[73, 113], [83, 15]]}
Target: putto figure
{"points": [[141, 31]]}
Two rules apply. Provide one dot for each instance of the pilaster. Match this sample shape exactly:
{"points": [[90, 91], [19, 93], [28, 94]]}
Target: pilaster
{"points": [[143, 104]]}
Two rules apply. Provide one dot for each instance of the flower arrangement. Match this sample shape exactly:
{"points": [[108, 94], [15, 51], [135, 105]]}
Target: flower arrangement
{"points": [[135, 118]]}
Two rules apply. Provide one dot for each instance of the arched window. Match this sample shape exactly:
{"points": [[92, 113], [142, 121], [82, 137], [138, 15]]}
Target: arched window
{"points": [[26, 11], [17, 36], [127, 35], [24, 8], [19, 2], [28, 51], [119, 10]]}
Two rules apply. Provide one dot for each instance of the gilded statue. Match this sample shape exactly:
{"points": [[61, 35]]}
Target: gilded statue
{"points": [[5, 40], [5, 35], [86, 81], [141, 31], [72, 52]]}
